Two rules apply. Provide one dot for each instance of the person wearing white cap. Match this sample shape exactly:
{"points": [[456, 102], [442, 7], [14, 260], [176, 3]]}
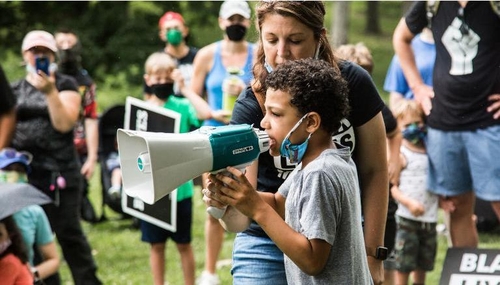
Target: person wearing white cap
{"points": [[48, 105], [212, 66]]}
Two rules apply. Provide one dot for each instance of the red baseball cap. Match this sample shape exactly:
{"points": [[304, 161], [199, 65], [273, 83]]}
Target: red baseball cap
{"points": [[170, 16]]}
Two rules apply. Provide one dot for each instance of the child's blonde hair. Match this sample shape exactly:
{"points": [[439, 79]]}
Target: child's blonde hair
{"points": [[405, 107], [159, 61], [358, 53]]}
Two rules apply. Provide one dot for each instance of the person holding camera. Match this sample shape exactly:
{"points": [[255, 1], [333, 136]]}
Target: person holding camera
{"points": [[86, 131], [48, 105]]}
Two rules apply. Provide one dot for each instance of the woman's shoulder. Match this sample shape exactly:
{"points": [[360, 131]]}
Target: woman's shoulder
{"points": [[207, 51]]}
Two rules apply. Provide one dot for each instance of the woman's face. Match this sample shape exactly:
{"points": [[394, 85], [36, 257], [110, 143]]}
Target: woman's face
{"points": [[285, 38], [30, 55]]}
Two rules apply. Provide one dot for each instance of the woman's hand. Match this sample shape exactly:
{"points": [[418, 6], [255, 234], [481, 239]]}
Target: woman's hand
{"points": [[494, 107]]}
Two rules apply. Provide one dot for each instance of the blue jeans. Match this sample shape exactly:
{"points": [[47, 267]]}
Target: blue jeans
{"points": [[257, 260]]}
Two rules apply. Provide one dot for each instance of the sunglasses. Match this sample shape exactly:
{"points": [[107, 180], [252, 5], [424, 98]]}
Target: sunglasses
{"points": [[13, 153]]}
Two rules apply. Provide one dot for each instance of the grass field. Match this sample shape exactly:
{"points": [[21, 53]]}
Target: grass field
{"points": [[123, 259]]}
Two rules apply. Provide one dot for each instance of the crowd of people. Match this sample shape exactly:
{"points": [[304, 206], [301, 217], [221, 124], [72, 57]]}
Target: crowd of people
{"points": [[312, 210]]}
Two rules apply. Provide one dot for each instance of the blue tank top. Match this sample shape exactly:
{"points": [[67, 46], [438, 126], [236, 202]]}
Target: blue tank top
{"points": [[214, 79]]}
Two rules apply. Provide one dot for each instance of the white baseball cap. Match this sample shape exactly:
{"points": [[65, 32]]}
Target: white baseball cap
{"points": [[39, 38], [234, 7]]}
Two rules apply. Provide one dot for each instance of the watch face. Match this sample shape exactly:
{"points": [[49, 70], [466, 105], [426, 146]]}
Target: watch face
{"points": [[382, 253]]}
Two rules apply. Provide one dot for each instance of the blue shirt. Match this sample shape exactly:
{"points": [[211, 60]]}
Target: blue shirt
{"points": [[214, 79], [425, 56], [35, 228]]}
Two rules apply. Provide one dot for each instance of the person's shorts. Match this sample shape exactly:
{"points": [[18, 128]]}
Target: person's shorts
{"points": [[154, 234], [416, 245], [460, 162]]}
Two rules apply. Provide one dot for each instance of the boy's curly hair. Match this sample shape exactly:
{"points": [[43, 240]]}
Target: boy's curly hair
{"points": [[315, 86]]}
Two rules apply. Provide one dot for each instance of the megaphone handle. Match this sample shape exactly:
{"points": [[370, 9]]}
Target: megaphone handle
{"points": [[217, 213]]}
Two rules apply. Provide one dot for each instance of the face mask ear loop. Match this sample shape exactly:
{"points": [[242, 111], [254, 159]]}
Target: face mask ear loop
{"points": [[316, 55], [268, 67]]}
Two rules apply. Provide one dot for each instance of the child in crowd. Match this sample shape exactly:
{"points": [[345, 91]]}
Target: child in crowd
{"points": [[160, 75], [315, 217], [115, 172], [31, 221], [416, 240], [14, 268], [360, 54]]}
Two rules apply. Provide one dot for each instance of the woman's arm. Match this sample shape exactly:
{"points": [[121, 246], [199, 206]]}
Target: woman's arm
{"points": [[50, 264], [402, 46], [371, 161]]}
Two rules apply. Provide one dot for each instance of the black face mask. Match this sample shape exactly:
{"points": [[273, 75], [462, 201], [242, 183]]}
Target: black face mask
{"points": [[162, 91], [236, 32], [69, 61]]}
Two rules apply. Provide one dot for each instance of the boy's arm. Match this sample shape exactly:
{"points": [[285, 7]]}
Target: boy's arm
{"points": [[309, 255], [416, 208]]}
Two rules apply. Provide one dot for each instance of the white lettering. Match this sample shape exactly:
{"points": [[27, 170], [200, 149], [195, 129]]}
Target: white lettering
{"points": [[474, 279], [481, 264], [495, 264], [138, 204], [242, 149], [141, 121], [469, 262]]}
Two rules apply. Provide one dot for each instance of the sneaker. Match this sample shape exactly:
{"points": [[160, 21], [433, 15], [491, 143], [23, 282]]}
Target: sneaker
{"points": [[115, 192], [207, 278]]}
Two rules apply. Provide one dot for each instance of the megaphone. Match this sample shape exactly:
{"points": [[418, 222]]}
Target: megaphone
{"points": [[154, 164]]}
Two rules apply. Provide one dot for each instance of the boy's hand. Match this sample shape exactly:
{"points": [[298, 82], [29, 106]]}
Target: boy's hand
{"points": [[235, 190], [446, 204], [416, 208]]}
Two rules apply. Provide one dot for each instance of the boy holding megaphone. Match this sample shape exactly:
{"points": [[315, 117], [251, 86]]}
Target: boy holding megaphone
{"points": [[315, 217]]}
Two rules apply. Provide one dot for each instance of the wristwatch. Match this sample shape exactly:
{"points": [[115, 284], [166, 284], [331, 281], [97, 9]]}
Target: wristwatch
{"points": [[379, 253]]}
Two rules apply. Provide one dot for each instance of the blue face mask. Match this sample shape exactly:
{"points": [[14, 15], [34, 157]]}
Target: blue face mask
{"points": [[415, 134], [294, 152]]}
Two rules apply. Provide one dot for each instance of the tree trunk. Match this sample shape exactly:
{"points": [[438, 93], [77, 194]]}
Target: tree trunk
{"points": [[340, 23], [372, 18]]}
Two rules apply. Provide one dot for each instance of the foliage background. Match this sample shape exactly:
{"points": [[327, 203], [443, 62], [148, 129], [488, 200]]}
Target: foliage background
{"points": [[117, 36]]}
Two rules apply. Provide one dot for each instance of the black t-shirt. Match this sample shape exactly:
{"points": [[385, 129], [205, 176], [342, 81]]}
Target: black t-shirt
{"points": [[52, 150], [467, 68], [7, 99], [365, 103], [185, 65]]}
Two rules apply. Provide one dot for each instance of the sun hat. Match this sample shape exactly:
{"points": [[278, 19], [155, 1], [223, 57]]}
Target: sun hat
{"points": [[39, 38], [233, 7], [9, 156], [170, 16]]}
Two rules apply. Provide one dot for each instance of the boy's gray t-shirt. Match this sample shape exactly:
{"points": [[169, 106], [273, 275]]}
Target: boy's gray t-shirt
{"points": [[323, 202]]}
